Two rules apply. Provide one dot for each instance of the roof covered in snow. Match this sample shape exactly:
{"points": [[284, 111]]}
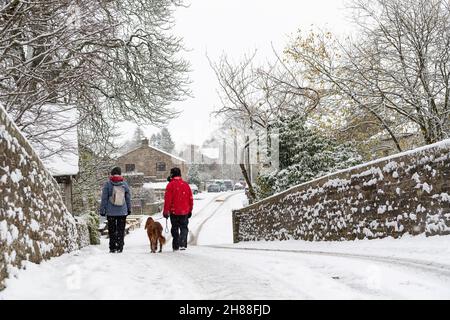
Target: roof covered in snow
{"points": [[156, 149], [169, 154]]}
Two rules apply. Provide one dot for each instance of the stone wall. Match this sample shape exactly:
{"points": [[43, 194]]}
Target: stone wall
{"points": [[406, 193], [35, 225], [148, 208]]}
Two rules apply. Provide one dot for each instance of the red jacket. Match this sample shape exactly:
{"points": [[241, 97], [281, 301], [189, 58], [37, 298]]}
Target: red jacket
{"points": [[178, 199]]}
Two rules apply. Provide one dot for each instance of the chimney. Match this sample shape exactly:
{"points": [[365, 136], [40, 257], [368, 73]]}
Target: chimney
{"points": [[145, 142]]}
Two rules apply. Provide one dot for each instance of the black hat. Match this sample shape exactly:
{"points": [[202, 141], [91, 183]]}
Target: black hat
{"points": [[175, 172], [116, 171]]}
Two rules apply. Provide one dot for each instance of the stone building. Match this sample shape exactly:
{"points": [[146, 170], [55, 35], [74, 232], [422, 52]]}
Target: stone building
{"points": [[149, 164], [65, 181]]}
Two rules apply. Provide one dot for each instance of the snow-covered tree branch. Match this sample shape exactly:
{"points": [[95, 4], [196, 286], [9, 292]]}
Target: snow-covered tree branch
{"points": [[112, 61]]}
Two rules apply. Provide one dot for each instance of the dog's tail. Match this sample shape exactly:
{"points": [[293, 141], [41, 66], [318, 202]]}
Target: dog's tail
{"points": [[162, 240]]}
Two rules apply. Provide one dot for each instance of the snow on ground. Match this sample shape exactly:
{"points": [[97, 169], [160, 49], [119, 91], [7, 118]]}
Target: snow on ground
{"points": [[217, 269], [219, 229], [432, 249]]}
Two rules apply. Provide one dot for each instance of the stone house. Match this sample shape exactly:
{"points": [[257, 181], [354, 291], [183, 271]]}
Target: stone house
{"points": [[65, 182], [149, 164]]}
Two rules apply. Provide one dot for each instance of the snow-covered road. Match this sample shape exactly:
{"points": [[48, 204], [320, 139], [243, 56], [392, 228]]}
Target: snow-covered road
{"points": [[214, 268]]}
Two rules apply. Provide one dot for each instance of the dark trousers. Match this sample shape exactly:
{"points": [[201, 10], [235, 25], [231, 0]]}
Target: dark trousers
{"points": [[179, 231], [116, 231]]}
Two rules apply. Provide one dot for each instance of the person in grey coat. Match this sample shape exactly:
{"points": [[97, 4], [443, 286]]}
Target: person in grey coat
{"points": [[116, 206]]}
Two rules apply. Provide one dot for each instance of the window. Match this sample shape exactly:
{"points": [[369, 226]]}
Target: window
{"points": [[130, 167], [160, 166]]}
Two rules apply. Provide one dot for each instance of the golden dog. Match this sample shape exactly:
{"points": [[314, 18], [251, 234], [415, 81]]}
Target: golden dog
{"points": [[154, 232]]}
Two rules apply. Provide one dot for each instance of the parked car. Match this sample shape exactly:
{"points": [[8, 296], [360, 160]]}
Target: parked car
{"points": [[194, 188], [223, 188], [214, 188], [221, 185], [228, 184], [238, 186]]}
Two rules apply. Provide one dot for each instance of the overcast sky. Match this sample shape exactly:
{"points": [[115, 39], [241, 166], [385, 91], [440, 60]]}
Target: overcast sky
{"points": [[236, 27]]}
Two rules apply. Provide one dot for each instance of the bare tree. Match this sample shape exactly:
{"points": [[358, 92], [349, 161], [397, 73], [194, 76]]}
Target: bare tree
{"points": [[323, 58], [111, 60], [411, 40], [259, 95], [397, 69], [254, 97]]}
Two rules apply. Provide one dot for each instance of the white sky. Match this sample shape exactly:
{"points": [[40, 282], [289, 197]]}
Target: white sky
{"points": [[236, 27]]}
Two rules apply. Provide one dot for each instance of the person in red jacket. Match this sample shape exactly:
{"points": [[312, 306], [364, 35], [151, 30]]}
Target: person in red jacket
{"points": [[178, 204]]}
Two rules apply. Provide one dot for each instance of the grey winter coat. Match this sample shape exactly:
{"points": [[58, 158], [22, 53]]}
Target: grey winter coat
{"points": [[107, 208]]}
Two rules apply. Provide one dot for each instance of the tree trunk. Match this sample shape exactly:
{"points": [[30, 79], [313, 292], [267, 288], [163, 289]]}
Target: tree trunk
{"points": [[251, 191]]}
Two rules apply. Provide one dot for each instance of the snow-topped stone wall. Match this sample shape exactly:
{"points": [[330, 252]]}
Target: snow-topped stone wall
{"points": [[34, 222], [404, 194]]}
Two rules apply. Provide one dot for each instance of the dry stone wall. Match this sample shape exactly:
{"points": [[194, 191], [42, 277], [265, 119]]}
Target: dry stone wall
{"points": [[35, 224], [407, 193]]}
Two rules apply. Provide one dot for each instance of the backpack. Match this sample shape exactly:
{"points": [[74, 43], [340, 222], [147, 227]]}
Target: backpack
{"points": [[118, 196]]}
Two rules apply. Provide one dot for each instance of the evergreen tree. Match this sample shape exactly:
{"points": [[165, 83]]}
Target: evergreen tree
{"points": [[194, 175], [138, 137], [134, 142], [155, 140], [304, 155], [163, 140], [166, 142]]}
